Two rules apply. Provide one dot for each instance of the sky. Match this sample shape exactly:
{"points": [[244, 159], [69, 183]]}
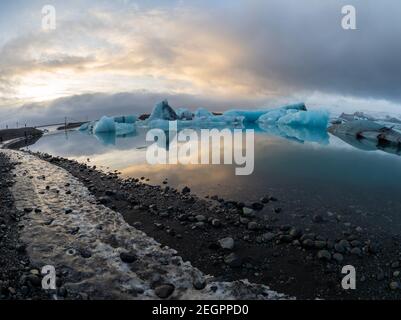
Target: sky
{"points": [[123, 56]]}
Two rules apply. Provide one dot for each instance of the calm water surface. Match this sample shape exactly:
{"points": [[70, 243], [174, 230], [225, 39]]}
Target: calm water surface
{"points": [[310, 170]]}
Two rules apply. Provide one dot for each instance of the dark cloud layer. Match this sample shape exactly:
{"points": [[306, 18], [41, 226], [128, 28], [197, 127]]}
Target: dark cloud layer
{"points": [[300, 45], [93, 106]]}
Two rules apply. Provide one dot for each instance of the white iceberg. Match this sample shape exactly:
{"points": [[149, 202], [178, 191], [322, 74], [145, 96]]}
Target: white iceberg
{"points": [[105, 124]]}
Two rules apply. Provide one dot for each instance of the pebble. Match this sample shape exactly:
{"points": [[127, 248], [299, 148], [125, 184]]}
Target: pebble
{"points": [[227, 243], [317, 218], [257, 206], [216, 223], [127, 257], [164, 291], [199, 284], [233, 260], [338, 257], [247, 211], [268, 236], [252, 225], [295, 232], [394, 285], [186, 190], [200, 218], [324, 255]]}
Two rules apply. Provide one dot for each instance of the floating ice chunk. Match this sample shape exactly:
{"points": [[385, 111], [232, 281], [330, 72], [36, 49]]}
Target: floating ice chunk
{"points": [[311, 119], [105, 124], [163, 111], [184, 114], [85, 126], [254, 115]]}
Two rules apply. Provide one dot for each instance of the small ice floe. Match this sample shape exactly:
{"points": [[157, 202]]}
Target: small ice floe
{"points": [[105, 124], [368, 135]]}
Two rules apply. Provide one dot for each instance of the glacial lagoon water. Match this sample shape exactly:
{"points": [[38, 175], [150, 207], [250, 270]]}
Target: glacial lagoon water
{"points": [[311, 171]]}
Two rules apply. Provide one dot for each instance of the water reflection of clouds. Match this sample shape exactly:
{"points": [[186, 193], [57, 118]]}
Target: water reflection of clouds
{"points": [[179, 175]]}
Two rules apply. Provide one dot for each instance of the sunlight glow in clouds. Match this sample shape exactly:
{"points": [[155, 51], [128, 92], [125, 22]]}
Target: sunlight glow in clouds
{"points": [[273, 50]]}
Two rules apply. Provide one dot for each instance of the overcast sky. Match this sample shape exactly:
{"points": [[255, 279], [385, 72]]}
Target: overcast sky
{"points": [[122, 56]]}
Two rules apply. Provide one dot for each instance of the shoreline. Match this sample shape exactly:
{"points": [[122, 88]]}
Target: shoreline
{"points": [[300, 260], [288, 258], [19, 138]]}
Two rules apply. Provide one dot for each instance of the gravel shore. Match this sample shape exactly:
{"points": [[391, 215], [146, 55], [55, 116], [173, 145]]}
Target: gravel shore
{"points": [[231, 242], [96, 254]]}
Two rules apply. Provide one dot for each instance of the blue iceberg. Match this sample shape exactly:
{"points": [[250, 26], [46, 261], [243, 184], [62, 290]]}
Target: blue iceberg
{"points": [[203, 113], [125, 119], [311, 119], [254, 115], [105, 124], [163, 111], [184, 114]]}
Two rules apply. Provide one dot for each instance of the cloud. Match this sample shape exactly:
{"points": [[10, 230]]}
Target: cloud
{"points": [[93, 106], [250, 50]]}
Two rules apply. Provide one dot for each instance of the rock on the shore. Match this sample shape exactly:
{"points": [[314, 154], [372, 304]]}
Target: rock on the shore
{"points": [[227, 243], [164, 291]]}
